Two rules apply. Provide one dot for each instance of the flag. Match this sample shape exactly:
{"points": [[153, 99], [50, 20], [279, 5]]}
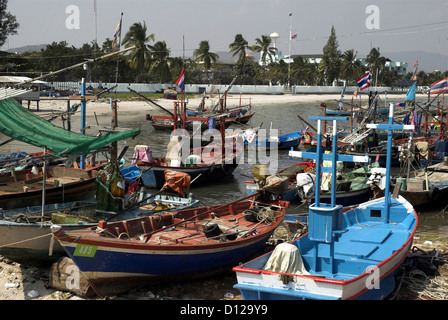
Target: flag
{"points": [[439, 86], [181, 81], [414, 75], [294, 36], [364, 81], [117, 34], [411, 93]]}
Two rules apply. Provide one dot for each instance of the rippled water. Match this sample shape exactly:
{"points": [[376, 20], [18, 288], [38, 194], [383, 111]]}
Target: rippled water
{"points": [[284, 118]]}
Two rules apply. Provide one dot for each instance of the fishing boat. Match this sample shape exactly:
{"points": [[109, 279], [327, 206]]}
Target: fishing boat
{"points": [[24, 187], [352, 186], [182, 245], [26, 231], [345, 255], [284, 141], [427, 186]]}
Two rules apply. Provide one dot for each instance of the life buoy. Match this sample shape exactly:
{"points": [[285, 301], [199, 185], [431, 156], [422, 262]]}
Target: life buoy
{"points": [[434, 194]]}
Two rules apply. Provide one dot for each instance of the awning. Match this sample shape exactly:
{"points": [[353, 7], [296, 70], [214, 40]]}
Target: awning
{"points": [[22, 125]]}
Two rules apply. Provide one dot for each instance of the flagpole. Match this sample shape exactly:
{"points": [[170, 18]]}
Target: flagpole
{"points": [[118, 57], [289, 50]]}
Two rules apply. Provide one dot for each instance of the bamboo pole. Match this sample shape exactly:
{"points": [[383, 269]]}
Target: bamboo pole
{"points": [[79, 65]]}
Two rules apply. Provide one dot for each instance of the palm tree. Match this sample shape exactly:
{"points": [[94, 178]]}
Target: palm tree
{"points": [[350, 66], [263, 45], [239, 47], [160, 61], [375, 61], [204, 55], [298, 67], [140, 56]]}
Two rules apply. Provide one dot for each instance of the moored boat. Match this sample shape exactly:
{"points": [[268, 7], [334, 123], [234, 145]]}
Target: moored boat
{"points": [[180, 245], [26, 235], [345, 255]]}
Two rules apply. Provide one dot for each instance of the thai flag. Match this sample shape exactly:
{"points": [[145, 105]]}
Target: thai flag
{"points": [[181, 81], [117, 34], [439, 86], [364, 81]]}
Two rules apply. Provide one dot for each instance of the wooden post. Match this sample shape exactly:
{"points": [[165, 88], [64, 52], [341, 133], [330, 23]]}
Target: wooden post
{"points": [[351, 118], [114, 125]]}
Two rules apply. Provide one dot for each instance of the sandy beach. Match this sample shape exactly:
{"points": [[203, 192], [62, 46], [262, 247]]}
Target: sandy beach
{"points": [[102, 106], [21, 282]]}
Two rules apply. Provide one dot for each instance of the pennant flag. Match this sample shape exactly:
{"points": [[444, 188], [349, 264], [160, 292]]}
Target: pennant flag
{"points": [[414, 75], [411, 93], [181, 81], [364, 81], [294, 36], [439, 86], [117, 34]]}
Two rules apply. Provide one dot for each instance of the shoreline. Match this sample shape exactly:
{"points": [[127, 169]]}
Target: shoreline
{"points": [[138, 104], [21, 282]]}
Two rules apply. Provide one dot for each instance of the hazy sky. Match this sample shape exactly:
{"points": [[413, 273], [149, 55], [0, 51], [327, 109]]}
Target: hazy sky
{"points": [[403, 25]]}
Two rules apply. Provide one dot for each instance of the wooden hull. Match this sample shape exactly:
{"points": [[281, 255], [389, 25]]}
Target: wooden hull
{"points": [[26, 239], [154, 177], [62, 184], [104, 260], [166, 122], [344, 198], [420, 198]]}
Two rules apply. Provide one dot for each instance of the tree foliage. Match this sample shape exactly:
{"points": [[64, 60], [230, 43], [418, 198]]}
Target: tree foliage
{"points": [[152, 63], [8, 23], [331, 63]]}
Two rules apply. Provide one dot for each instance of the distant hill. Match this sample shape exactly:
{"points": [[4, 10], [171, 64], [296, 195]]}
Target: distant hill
{"points": [[28, 48]]}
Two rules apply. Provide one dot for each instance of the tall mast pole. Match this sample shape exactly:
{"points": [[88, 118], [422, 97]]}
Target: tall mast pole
{"points": [[289, 50]]}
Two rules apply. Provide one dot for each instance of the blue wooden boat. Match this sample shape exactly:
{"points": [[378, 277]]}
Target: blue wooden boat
{"points": [[345, 255], [180, 245], [284, 141]]}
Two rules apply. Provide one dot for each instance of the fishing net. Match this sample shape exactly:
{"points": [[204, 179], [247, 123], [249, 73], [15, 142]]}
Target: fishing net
{"points": [[110, 189]]}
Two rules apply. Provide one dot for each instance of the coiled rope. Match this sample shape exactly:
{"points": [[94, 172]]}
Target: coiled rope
{"points": [[424, 286]]}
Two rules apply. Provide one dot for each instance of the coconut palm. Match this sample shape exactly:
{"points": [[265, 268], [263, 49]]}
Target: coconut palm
{"points": [[239, 47], [298, 67], [375, 61], [160, 59], [350, 66], [263, 45], [141, 55], [204, 55]]}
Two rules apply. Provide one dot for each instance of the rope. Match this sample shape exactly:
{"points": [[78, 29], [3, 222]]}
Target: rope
{"points": [[18, 242], [424, 286]]}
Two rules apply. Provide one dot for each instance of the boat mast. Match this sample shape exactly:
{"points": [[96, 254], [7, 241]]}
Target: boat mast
{"points": [[289, 50]]}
